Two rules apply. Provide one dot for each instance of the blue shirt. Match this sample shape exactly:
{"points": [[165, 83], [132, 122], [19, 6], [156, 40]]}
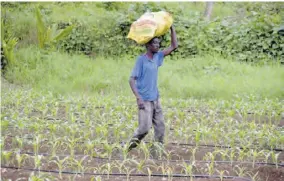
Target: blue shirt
{"points": [[145, 72]]}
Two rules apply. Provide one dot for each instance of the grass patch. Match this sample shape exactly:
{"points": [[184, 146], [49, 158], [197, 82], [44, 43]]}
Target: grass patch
{"points": [[201, 77]]}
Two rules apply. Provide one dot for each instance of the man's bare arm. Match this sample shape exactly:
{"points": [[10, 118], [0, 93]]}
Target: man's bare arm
{"points": [[140, 101], [174, 43]]}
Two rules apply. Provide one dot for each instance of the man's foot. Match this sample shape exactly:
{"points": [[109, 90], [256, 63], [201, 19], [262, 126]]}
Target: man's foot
{"points": [[133, 144]]}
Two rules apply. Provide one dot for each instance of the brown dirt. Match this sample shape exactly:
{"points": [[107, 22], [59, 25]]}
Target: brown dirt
{"points": [[270, 174], [265, 173], [13, 175], [178, 152]]}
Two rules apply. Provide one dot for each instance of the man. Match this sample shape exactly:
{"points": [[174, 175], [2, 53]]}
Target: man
{"points": [[143, 82]]}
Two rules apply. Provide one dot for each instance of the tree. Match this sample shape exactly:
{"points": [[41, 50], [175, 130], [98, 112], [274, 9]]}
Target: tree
{"points": [[208, 10]]}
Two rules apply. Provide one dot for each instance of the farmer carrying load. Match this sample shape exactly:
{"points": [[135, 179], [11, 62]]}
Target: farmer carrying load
{"points": [[143, 82]]}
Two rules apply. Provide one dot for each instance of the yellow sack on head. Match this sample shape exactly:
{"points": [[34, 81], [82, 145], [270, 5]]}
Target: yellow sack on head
{"points": [[164, 21], [143, 30], [150, 25]]}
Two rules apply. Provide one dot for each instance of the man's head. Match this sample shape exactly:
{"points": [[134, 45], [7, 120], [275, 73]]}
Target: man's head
{"points": [[153, 45]]}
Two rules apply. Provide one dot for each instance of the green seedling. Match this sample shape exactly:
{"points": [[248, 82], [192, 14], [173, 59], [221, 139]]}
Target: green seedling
{"points": [[79, 164], [254, 177], [90, 148], [139, 165], [211, 157], [60, 164], [254, 155], [193, 152], [36, 144], [96, 178], [188, 168], [37, 161], [275, 158], [232, 156], [106, 168], [20, 159], [6, 156], [240, 171], [149, 173], [222, 172]]}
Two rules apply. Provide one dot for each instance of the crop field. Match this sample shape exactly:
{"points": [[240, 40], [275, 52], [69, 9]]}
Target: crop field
{"points": [[68, 113], [48, 137]]}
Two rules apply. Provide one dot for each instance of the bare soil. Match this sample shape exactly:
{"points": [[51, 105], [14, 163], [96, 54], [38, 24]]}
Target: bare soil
{"points": [[264, 174]]}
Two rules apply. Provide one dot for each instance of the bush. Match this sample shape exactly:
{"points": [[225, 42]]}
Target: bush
{"points": [[102, 29]]}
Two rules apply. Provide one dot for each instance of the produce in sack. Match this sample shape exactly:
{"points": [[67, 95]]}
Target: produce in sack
{"points": [[164, 21], [143, 30], [149, 25]]}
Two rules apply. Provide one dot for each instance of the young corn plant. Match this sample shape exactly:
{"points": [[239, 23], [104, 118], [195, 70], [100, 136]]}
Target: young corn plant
{"points": [[242, 153], [188, 169], [210, 166], [275, 158], [79, 164], [240, 171], [6, 156], [232, 156], [106, 168], [44, 110], [40, 177], [4, 125], [157, 150], [162, 167], [169, 155], [267, 155], [169, 173], [197, 136], [90, 148], [18, 142], [96, 178], [52, 128], [37, 161], [193, 152], [102, 131], [139, 165], [60, 164], [221, 173], [20, 159], [124, 150], [128, 172], [149, 173], [120, 165], [145, 149], [54, 110], [254, 155], [36, 127], [72, 145], [36, 144], [254, 177], [55, 144], [109, 148]]}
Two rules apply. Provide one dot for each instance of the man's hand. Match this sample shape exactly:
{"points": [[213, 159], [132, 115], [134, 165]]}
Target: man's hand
{"points": [[140, 103]]}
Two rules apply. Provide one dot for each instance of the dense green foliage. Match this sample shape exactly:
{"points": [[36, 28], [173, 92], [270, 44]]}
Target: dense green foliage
{"points": [[248, 31], [205, 63]]}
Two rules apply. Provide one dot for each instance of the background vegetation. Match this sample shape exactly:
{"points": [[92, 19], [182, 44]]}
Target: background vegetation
{"points": [[82, 48]]}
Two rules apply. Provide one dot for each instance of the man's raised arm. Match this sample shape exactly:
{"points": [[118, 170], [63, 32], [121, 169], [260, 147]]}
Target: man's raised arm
{"points": [[174, 43]]}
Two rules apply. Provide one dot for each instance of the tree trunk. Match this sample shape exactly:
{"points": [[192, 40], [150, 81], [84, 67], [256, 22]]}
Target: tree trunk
{"points": [[208, 10]]}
